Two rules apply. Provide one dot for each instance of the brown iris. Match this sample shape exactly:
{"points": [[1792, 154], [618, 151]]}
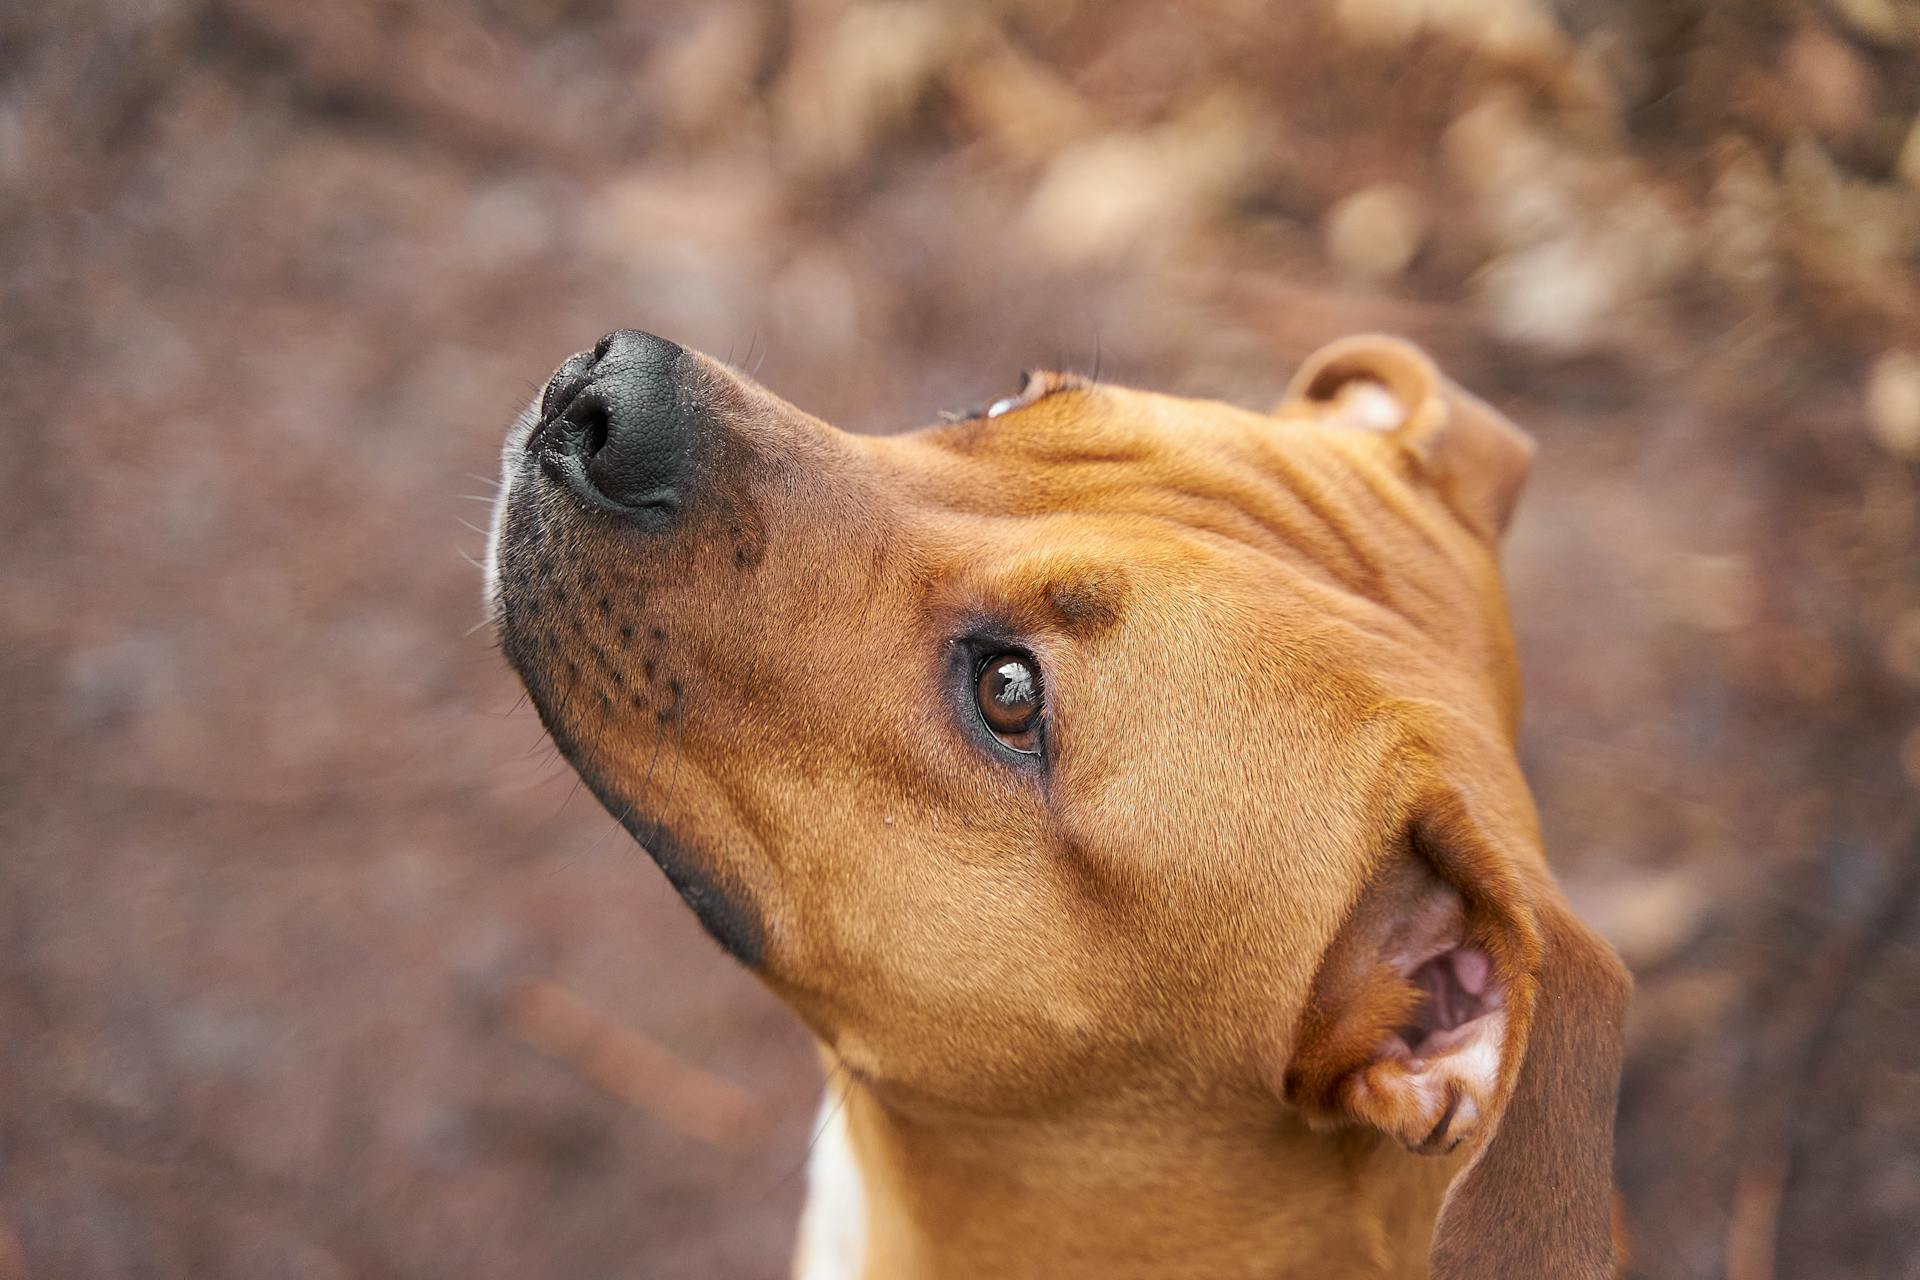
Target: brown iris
{"points": [[1008, 695]]}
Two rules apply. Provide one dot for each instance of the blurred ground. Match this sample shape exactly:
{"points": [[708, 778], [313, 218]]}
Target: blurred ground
{"points": [[311, 962]]}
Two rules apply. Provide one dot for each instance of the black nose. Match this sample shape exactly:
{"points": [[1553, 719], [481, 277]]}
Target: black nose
{"points": [[617, 426]]}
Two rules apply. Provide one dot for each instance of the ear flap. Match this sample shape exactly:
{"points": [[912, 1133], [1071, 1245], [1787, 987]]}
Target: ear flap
{"points": [[1477, 458], [1464, 1007]]}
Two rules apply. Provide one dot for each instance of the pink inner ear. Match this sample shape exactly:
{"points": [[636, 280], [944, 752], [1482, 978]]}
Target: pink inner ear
{"points": [[1458, 989], [1370, 405], [1432, 1080]]}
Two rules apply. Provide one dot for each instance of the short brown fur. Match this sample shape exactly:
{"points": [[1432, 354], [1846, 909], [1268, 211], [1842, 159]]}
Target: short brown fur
{"points": [[1129, 1009]]}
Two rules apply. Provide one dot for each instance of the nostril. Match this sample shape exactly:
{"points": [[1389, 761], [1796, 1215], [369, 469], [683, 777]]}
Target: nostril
{"points": [[580, 430], [594, 429], [601, 347]]}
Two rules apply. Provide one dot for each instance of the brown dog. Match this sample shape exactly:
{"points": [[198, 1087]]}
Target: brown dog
{"points": [[1121, 787]]}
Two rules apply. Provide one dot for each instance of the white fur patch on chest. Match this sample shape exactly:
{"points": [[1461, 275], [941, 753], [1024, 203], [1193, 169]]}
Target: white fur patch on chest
{"points": [[833, 1227]]}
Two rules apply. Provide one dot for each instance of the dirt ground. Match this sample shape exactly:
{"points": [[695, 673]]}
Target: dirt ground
{"points": [[313, 960]]}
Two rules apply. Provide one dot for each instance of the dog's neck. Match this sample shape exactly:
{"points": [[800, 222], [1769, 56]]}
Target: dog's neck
{"points": [[1210, 1194]]}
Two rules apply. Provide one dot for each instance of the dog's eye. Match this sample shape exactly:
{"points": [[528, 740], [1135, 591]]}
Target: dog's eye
{"points": [[1007, 691]]}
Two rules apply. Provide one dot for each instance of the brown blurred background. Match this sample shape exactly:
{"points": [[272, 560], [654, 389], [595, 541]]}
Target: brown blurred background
{"points": [[314, 963]]}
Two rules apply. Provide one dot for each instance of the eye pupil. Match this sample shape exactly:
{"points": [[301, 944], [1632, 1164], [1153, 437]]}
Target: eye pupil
{"points": [[1008, 695]]}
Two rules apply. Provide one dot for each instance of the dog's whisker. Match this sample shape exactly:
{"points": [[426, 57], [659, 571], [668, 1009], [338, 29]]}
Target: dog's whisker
{"points": [[472, 527], [844, 1073], [539, 776], [572, 791], [673, 771], [646, 779], [653, 758], [619, 821]]}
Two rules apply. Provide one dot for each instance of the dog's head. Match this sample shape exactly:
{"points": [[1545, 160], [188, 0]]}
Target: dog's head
{"points": [[1102, 745]]}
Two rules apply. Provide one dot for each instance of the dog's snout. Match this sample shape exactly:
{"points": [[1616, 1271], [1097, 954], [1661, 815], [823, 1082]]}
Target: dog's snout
{"points": [[617, 426]]}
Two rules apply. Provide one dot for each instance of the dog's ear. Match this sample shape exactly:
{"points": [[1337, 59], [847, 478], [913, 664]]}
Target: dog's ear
{"points": [[1475, 457], [1462, 1006]]}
